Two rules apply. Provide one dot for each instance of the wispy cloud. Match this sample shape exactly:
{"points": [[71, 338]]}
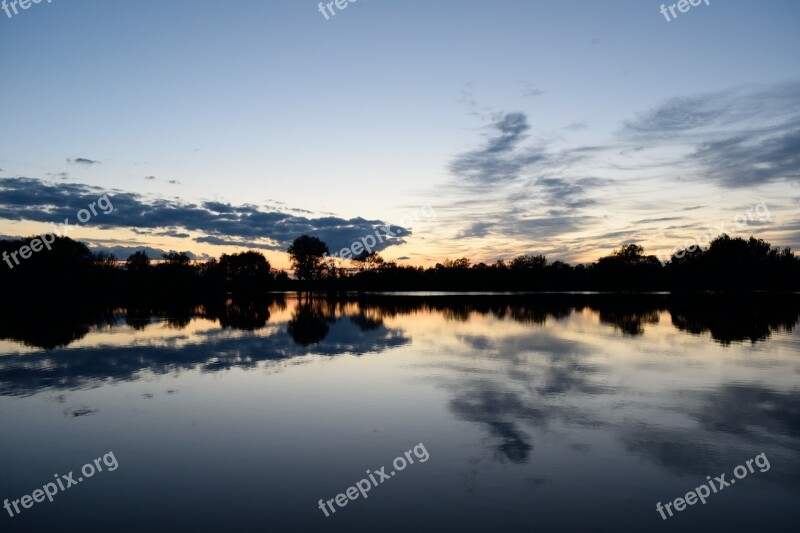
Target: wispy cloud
{"points": [[501, 159], [515, 192], [570, 193], [531, 91], [529, 195], [741, 137], [83, 161], [59, 175], [753, 158]]}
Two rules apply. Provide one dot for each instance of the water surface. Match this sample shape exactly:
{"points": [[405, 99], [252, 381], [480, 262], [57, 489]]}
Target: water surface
{"points": [[548, 413]]}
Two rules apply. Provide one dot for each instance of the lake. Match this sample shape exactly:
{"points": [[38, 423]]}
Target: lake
{"points": [[549, 412]]}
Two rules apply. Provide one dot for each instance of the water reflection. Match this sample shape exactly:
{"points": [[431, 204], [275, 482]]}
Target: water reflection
{"points": [[640, 391], [736, 319], [502, 413], [240, 341], [728, 319], [348, 324], [309, 323]]}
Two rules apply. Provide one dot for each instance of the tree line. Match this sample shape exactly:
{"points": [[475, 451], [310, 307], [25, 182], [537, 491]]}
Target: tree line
{"points": [[727, 263]]}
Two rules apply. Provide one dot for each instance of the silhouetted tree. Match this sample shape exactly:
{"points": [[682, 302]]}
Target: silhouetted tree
{"points": [[368, 260], [245, 270], [734, 263], [528, 262], [307, 254], [456, 264], [138, 262], [179, 259], [176, 276], [629, 269]]}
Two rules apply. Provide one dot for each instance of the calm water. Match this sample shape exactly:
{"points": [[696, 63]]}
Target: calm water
{"points": [[548, 413]]}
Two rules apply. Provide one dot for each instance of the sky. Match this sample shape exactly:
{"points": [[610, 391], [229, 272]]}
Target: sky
{"points": [[463, 128]]}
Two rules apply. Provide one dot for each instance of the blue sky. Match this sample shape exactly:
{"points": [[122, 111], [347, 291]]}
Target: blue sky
{"points": [[564, 128]]}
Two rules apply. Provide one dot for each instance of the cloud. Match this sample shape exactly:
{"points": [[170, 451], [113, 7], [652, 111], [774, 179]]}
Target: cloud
{"points": [[568, 192], [740, 137], [751, 159], [678, 114], [500, 159], [82, 161], [575, 126], [523, 228], [516, 193], [532, 91], [59, 175], [123, 252], [721, 109], [521, 195], [478, 230], [227, 241], [172, 233], [652, 220], [224, 224], [219, 207]]}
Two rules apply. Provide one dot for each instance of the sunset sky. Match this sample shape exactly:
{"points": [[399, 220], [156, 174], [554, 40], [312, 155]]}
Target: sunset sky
{"points": [[558, 127]]}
